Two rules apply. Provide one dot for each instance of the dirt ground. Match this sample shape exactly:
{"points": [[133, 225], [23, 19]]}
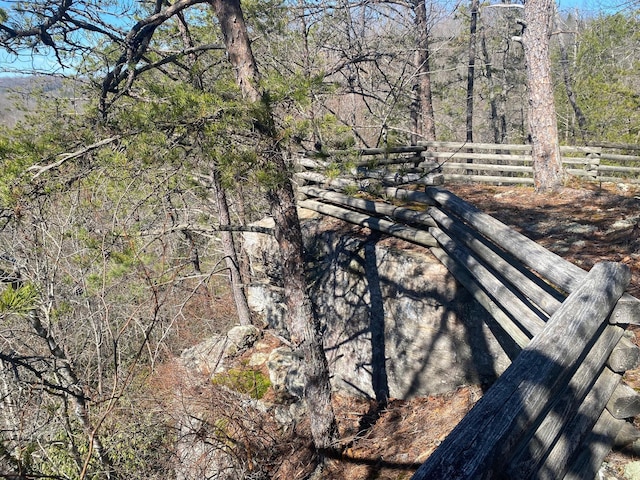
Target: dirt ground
{"points": [[585, 224]]}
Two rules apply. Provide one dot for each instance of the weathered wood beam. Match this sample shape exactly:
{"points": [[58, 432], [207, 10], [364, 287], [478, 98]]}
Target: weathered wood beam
{"points": [[522, 314], [408, 195], [561, 427], [315, 177], [531, 286], [392, 161], [487, 167], [404, 232], [489, 179], [599, 442], [401, 213], [624, 403], [390, 179], [505, 322], [550, 266], [511, 406], [625, 356], [577, 438]]}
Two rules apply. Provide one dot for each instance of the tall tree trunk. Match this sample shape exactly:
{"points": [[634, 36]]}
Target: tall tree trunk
{"points": [[471, 68], [304, 327], [568, 85], [547, 164], [425, 119], [230, 252], [228, 245], [498, 122]]}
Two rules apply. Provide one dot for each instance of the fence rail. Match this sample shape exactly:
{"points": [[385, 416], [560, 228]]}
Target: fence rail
{"points": [[460, 161], [557, 410]]}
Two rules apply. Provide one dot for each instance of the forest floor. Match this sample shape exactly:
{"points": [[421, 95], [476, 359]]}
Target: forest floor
{"points": [[583, 223]]}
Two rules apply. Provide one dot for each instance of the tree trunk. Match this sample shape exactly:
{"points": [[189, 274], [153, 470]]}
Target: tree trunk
{"points": [[230, 252], [568, 85], [425, 121], [226, 237], [498, 122], [303, 325], [471, 68], [547, 164]]}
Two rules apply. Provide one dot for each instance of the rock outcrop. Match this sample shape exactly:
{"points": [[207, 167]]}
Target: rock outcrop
{"points": [[396, 323]]}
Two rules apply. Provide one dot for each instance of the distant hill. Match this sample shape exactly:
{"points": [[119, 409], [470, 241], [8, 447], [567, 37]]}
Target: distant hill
{"points": [[18, 95]]}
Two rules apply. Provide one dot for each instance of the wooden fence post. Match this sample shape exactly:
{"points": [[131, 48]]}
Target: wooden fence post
{"points": [[475, 448]]}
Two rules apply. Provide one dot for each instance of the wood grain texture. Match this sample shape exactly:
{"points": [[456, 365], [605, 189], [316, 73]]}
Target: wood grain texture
{"points": [[512, 405]]}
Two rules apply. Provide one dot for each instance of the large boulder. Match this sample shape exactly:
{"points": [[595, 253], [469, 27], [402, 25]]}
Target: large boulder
{"points": [[395, 322]]}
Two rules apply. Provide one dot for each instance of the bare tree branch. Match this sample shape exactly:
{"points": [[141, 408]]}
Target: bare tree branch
{"points": [[40, 169]]}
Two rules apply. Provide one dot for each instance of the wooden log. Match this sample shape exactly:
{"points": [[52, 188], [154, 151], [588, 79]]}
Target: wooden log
{"points": [[487, 167], [477, 146], [391, 161], [417, 179], [625, 356], [570, 417], [410, 234], [627, 310], [408, 195], [315, 163], [398, 213], [613, 168], [577, 436], [503, 415], [624, 403], [609, 179], [528, 319], [552, 267], [595, 447], [579, 149], [620, 158], [505, 322], [487, 179], [380, 151], [549, 265], [390, 179], [531, 286], [581, 161], [315, 177], [479, 156]]}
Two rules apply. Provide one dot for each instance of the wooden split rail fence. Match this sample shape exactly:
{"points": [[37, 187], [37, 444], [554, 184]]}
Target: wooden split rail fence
{"points": [[558, 409], [477, 162]]}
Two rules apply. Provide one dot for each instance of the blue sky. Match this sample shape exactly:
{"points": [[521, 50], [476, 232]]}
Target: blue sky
{"points": [[28, 61], [590, 6]]}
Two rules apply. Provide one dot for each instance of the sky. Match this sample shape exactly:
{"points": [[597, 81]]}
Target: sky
{"points": [[10, 65], [589, 6]]}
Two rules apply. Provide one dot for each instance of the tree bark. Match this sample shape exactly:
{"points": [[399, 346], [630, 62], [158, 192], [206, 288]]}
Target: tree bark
{"points": [[424, 118], [568, 85], [226, 237], [498, 122], [471, 68], [547, 164], [230, 252], [303, 324]]}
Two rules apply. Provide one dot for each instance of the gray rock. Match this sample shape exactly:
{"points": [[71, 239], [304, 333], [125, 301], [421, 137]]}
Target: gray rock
{"points": [[632, 471], [207, 357], [285, 373], [395, 322], [240, 338]]}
